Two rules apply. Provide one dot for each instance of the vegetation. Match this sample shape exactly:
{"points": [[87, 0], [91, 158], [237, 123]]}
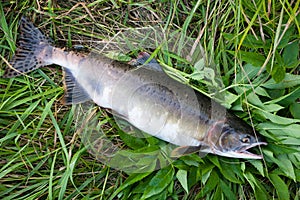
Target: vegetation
{"points": [[253, 47]]}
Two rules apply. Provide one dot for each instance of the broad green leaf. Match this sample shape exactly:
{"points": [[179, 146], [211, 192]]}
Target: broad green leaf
{"points": [[286, 100], [275, 118], [282, 189], [170, 188], [286, 38], [280, 149], [273, 107], [291, 54], [133, 161], [214, 160], [252, 58], [199, 65], [232, 172], [278, 72], [295, 158], [218, 194], [258, 165], [261, 91], [286, 140], [286, 166], [295, 110], [259, 191], [230, 98], [283, 163], [227, 190], [201, 173], [248, 72], [131, 141], [205, 176], [182, 178], [250, 40], [255, 100], [159, 182], [197, 76], [192, 160], [290, 80], [291, 130], [276, 94], [133, 178], [162, 195], [211, 184]]}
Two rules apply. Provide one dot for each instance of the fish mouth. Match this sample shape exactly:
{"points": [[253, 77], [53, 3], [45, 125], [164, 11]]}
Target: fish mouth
{"points": [[242, 152]]}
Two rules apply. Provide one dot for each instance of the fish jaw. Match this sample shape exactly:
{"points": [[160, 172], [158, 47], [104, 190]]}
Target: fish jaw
{"points": [[224, 140], [240, 153]]}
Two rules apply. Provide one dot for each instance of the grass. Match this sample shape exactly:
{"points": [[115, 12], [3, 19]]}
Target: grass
{"points": [[253, 47]]}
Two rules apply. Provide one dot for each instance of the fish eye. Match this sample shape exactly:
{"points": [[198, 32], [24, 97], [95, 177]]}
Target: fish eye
{"points": [[246, 139]]}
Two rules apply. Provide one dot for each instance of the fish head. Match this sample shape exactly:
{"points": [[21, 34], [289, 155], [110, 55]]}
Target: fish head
{"points": [[235, 143]]}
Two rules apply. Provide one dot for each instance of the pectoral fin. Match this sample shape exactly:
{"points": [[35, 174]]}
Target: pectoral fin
{"points": [[184, 150]]}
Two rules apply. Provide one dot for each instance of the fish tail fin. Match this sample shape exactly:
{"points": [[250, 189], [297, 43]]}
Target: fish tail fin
{"points": [[33, 52]]}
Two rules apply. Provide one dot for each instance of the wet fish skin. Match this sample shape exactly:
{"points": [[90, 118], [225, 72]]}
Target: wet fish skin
{"points": [[181, 115]]}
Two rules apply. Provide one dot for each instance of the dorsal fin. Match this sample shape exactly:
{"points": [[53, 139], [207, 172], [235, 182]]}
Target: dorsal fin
{"points": [[142, 59], [74, 93]]}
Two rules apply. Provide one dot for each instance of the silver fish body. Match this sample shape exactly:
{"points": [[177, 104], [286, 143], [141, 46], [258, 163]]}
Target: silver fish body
{"points": [[144, 96]]}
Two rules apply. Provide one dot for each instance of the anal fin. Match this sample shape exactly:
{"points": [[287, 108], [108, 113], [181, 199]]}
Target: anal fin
{"points": [[74, 92]]}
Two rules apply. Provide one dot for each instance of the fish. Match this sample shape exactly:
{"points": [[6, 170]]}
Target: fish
{"points": [[141, 93]]}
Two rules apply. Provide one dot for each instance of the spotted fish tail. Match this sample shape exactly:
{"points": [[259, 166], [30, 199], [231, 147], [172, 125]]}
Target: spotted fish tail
{"points": [[34, 51]]}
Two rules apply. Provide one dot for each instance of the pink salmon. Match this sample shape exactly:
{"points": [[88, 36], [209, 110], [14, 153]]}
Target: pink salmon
{"points": [[144, 96]]}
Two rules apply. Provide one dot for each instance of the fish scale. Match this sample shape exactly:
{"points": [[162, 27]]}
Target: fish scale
{"points": [[144, 95]]}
